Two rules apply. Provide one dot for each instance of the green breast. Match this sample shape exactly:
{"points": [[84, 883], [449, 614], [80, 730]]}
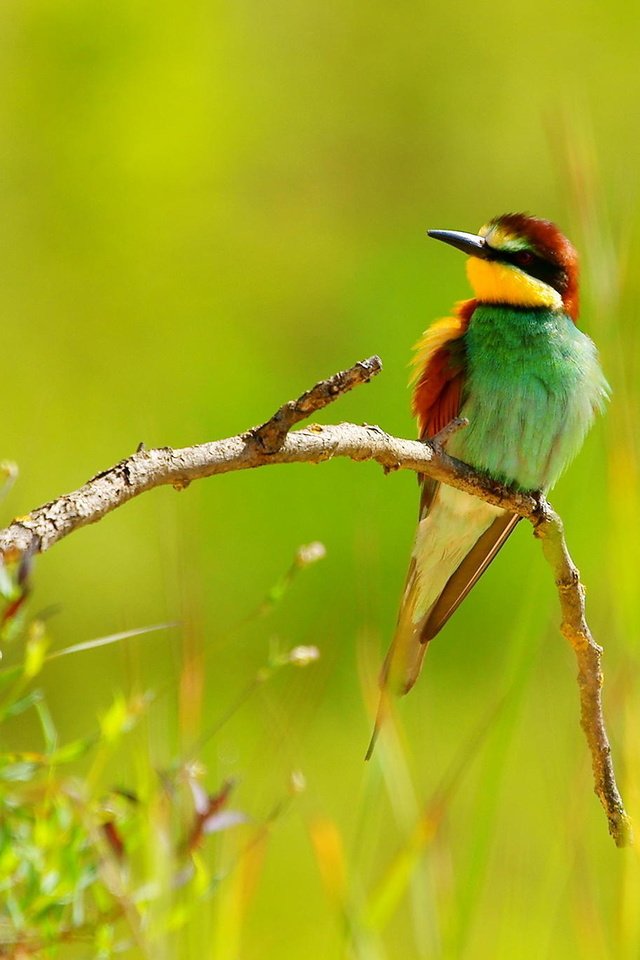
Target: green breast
{"points": [[533, 384]]}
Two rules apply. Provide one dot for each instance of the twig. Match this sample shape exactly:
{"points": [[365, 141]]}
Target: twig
{"points": [[271, 435], [575, 629], [458, 423], [272, 443]]}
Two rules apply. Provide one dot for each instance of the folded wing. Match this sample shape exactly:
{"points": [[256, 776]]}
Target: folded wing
{"points": [[458, 535]]}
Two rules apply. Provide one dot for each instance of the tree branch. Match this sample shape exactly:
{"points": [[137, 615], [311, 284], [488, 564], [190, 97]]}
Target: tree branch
{"points": [[272, 443], [575, 629]]}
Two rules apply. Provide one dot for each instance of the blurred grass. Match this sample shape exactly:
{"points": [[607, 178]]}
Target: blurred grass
{"points": [[205, 209]]}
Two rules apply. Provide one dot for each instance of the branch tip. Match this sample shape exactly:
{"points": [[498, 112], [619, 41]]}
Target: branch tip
{"points": [[458, 423]]}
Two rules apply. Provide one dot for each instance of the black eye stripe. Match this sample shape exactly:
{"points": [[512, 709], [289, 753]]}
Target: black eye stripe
{"points": [[539, 268]]}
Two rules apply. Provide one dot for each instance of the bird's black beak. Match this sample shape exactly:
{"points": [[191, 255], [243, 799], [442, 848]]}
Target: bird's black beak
{"points": [[469, 243]]}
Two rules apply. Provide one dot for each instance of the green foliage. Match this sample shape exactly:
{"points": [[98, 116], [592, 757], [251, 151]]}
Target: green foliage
{"points": [[99, 869]]}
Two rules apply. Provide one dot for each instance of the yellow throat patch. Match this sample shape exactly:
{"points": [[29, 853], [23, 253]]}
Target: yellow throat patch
{"points": [[495, 282]]}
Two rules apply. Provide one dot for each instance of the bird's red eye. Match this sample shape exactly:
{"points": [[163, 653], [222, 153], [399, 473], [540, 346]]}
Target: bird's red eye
{"points": [[524, 258]]}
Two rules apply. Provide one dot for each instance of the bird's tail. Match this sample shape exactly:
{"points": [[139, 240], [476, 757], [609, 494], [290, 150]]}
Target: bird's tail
{"points": [[403, 662], [437, 582]]}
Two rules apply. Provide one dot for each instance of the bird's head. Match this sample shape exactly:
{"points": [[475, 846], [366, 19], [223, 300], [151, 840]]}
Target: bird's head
{"points": [[519, 260]]}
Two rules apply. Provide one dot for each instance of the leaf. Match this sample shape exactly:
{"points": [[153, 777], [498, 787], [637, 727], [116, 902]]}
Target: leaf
{"points": [[18, 772], [74, 750], [19, 706], [223, 820], [37, 644], [201, 877], [49, 731], [111, 638], [114, 722], [122, 716]]}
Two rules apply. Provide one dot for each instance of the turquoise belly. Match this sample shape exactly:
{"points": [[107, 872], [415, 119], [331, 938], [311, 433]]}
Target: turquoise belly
{"points": [[532, 387]]}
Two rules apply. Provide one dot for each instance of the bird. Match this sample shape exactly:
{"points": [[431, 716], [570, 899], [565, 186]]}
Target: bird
{"points": [[512, 362]]}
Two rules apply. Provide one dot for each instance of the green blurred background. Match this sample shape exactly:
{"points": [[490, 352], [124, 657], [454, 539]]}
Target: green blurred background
{"points": [[206, 207]]}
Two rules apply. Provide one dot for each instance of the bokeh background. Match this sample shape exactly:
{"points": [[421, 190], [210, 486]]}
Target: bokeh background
{"points": [[205, 208]]}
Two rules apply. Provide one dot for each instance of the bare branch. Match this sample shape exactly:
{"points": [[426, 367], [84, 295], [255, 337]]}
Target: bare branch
{"points": [[271, 435], [458, 423], [272, 443], [575, 629], [146, 469]]}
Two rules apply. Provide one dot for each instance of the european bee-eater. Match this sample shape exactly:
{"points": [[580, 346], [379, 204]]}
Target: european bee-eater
{"points": [[513, 362]]}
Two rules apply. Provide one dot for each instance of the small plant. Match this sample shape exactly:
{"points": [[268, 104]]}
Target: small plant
{"points": [[105, 871]]}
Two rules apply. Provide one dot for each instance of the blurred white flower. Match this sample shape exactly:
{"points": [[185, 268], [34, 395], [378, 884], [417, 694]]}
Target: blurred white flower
{"points": [[297, 782], [310, 553], [303, 656]]}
